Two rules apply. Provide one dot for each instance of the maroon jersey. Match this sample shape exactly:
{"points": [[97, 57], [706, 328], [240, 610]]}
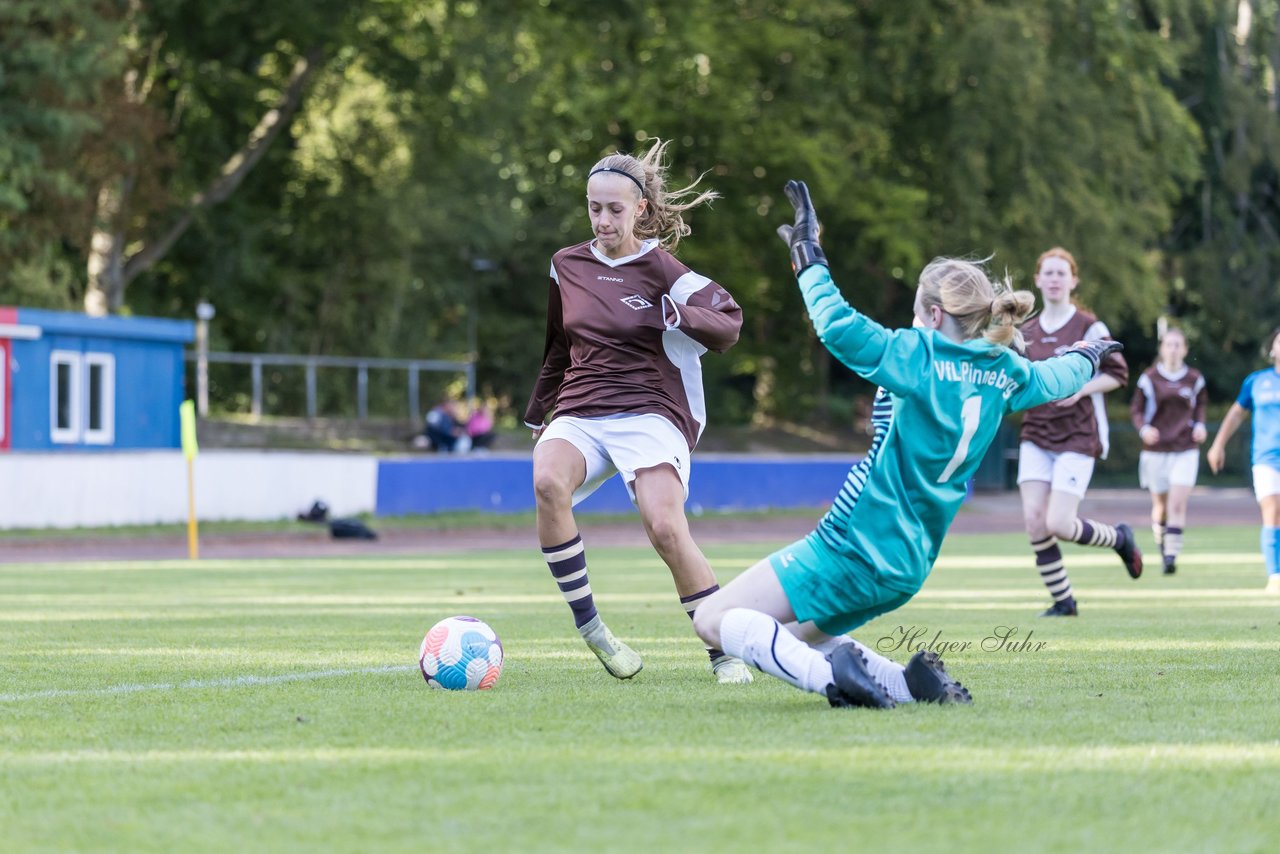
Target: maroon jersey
{"points": [[1081, 428], [626, 336], [1172, 403]]}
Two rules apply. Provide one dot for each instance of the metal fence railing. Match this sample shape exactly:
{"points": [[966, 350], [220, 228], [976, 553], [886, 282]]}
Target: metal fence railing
{"points": [[311, 365]]}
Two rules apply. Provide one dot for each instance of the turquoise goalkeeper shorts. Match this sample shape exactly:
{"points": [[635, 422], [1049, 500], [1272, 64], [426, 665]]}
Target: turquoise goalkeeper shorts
{"points": [[836, 592]]}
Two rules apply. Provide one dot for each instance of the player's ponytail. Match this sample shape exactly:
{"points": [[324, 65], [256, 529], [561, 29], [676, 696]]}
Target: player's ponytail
{"points": [[1009, 310]]}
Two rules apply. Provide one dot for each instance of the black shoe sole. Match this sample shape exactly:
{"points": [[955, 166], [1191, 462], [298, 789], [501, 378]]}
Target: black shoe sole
{"points": [[854, 685], [929, 682]]}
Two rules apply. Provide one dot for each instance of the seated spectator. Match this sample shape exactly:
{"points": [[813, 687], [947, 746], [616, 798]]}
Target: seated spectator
{"points": [[444, 429], [480, 427]]}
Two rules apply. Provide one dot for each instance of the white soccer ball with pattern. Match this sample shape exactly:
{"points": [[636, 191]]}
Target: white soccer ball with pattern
{"points": [[461, 654]]}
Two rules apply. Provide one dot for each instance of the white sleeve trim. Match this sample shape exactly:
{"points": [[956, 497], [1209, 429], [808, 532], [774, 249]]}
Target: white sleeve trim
{"points": [[686, 286], [669, 303], [1149, 401]]}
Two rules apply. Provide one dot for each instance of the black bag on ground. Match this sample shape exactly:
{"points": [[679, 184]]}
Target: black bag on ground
{"points": [[351, 529]]}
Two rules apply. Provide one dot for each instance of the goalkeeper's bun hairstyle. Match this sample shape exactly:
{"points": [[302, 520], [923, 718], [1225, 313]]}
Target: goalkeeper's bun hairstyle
{"points": [[983, 308], [661, 218]]}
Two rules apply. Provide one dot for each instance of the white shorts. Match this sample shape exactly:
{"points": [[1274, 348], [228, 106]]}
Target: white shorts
{"points": [[1266, 481], [623, 444], [1159, 470], [1064, 471]]}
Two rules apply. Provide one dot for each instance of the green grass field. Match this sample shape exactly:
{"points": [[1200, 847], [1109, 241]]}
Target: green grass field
{"points": [[276, 706]]}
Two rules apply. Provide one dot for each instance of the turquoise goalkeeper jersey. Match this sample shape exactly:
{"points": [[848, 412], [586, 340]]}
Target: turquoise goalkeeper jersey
{"points": [[939, 408]]}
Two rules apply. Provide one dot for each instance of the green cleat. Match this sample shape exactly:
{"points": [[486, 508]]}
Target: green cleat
{"points": [[731, 671], [620, 660]]}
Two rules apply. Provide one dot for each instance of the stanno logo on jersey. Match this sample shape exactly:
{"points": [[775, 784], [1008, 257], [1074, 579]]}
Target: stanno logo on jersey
{"points": [[609, 279], [635, 301]]}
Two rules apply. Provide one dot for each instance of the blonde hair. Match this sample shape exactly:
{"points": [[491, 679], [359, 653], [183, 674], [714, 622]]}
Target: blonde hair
{"points": [[983, 308], [661, 218]]}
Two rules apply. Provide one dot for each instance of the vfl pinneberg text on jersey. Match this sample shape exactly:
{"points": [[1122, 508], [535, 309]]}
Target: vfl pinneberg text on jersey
{"points": [[964, 372]]}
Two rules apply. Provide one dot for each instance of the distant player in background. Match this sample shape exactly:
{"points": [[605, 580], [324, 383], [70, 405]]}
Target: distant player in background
{"points": [[1260, 394], [945, 385], [1062, 440], [627, 325], [1167, 410]]}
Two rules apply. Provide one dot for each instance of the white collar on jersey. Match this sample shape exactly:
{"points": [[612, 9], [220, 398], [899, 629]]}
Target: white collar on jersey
{"points": [[1171, 376], [1044, 327], [646, 246]]}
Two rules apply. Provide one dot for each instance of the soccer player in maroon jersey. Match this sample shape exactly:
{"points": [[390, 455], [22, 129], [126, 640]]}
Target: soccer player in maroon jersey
{"points": [[1167, 409], [627, 324], [1061, 440]]}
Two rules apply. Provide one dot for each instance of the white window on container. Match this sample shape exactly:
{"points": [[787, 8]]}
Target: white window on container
{"points": [[100, 398], [64, 396]]}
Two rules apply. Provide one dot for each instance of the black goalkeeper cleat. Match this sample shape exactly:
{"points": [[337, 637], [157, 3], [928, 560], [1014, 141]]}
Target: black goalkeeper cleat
{"points": [[1064, 608], [1170, 565], [929, 682], [854, 685], [1127, 548]]}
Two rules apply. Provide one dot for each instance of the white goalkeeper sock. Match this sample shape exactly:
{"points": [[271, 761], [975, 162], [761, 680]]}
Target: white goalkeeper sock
{"points": [[830, 645], [888, 673], [762, 642]]}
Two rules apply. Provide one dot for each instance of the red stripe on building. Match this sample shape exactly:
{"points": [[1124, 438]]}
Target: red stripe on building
{"points": [[7, 315]]}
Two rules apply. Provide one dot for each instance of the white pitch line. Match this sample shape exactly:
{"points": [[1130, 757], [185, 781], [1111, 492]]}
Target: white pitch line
{"points": [[233, 682]]}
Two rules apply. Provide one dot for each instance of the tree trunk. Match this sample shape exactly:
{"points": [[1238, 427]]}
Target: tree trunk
{"points": [[105, 294], [110, 272]]}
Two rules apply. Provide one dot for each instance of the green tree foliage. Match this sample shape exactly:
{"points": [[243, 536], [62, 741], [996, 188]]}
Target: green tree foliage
{"points": [[54, 56], [1223, 250], [1051, 126], [437, 157]]}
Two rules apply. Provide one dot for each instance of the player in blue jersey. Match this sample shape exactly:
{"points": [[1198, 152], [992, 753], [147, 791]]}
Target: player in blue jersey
{"points": [[1260, 394], [945, 385]]}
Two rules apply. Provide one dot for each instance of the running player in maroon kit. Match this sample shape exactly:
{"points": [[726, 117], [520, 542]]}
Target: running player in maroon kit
{"points": [[621, 377], [1167, 409], [1062, 440]]}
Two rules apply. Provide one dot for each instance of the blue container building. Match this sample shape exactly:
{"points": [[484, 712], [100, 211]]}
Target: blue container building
{"points": [[73, 382]]}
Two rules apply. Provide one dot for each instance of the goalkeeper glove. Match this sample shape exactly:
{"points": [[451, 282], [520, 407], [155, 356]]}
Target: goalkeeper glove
{"points": [[802, 236], [1095, 351]]}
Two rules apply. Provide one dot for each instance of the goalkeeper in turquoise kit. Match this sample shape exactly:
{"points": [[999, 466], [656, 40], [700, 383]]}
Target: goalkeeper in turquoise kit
{"points": [[945, 384]]}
